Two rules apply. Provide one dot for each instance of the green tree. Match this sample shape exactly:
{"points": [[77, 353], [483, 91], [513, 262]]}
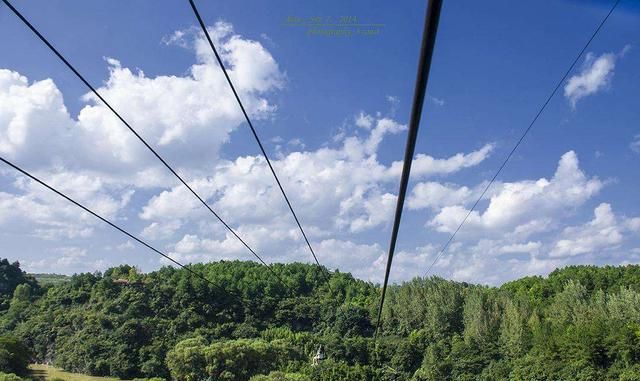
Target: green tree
{"points": [[11, 276], [186, 361], [352, 321], [14, 356], [515, 335]]}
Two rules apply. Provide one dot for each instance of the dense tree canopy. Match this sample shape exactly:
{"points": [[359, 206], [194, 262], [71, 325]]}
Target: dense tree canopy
{"points": [[14, 356], [579, 323], [10, 277]]}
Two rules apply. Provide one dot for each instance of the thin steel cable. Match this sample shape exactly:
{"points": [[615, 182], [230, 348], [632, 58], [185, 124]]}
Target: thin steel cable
{"points": [[156, 154], [113, 225], [255, 134], [526, 131], [430, 30]]}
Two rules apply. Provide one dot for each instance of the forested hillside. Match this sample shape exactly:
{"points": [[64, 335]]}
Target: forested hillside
{"points": [[579, 323]]}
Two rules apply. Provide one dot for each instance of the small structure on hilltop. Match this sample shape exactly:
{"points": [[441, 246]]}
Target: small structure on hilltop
{"points": [[320, 356]]}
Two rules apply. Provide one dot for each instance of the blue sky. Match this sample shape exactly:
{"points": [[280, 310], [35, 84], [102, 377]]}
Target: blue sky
{"points": [[332, 111]]}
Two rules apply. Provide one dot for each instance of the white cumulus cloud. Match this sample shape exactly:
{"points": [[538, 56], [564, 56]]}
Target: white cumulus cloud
{"points": [[604, 232], [596, 75], [521, 204]]}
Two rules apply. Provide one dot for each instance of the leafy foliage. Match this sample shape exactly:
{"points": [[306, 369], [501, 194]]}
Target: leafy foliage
{"points": [[10, 277], [10, 377], [14, 356], [579, 323]]}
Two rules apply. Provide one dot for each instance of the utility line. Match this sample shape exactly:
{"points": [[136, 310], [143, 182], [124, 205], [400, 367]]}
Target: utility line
{"points": [[118, 228], [424, 65], [255, 134], [526, 131], [156, 154]]}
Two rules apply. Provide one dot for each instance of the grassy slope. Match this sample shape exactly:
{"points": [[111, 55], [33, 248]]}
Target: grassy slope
{"points": [[49, 373]]}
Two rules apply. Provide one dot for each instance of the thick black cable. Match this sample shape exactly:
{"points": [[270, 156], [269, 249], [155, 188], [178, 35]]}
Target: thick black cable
{"points": [[424, 65], [97, 94], [526, 131], [118, 228], [255, 134]]}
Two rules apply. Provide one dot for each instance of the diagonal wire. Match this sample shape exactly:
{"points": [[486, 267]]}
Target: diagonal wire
{"points": [[430, 30], [255, 134], [155, 153], [118, 228], [524, 134]]}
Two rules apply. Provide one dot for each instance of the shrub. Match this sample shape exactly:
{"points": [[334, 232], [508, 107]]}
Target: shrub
{"points": [[10, 377], [14, 356]]}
